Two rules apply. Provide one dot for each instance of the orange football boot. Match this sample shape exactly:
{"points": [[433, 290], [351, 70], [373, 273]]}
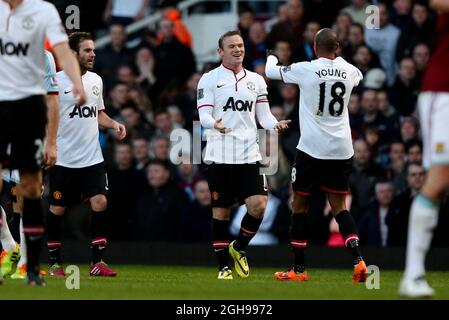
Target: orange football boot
{"points": [[291, 275], [360, 272]]}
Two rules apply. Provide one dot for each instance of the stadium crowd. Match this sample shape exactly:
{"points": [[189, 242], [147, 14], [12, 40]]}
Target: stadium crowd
{"points": [[151, 88]]}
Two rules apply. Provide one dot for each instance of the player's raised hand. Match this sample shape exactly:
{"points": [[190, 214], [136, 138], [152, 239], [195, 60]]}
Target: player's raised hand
{"points": [[270, 52], [120, 130], [79, 92], [219, 126], [282, 126]]}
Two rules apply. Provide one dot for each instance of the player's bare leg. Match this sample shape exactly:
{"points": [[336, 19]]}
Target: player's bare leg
{"points": [[423, 219], [220, 238], [54, 236], [348, 231], [298, 239], [33, 225], [250, 224], [99, 205]]}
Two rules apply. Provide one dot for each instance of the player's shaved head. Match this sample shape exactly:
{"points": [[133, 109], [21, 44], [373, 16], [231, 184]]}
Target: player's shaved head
{"points": [[326, 41]]}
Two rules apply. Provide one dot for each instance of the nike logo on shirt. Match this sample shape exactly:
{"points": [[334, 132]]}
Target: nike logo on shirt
{"points": [[68, 91], [221, 85]]}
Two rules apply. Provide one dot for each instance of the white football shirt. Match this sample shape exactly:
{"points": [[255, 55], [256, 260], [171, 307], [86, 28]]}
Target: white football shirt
{"points": [[325, 87], [22, 36], [234, 98], [77, 140]]}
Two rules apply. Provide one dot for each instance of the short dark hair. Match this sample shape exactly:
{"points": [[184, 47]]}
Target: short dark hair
{"points": [[326, 41], [411, 143], [75, 39], [157, 162], [228, 34]]}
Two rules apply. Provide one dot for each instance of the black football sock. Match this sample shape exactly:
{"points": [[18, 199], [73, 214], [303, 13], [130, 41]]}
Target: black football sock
{"points": [[54, 235], [348, 231], [248, 229], [99, 235], [298, 240], [33, 228], [15, 226], [220, 238]]}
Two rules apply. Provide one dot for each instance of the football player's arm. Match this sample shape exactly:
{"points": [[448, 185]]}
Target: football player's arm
{"points": [[50, 151], [267, 120], [440, 5], [272, 70], [105, 121], [288, 74], [205, 105], [52, 102]]}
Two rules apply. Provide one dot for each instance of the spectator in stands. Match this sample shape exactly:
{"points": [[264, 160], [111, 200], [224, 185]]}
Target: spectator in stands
{"points": [[373, 223], [363, 177], [420, 31], [118, 96], [113, 55], [290, 30], [125, 12], [357, 11], [284, 52], [135, 123], [125, 183], [385, 107], [282, 13], [196, 218], [159, 206], [126, 75], [402, 202], [163, 123], [404, 92], [146, 78], [188, 175], [246, 19], [355, 115], [160, 148], [180, 31], [305, 51], [373, 117], [175, 116], [255, 51], [401, 14], [413, 150], [141, 152], [356, 38], [383, 42], [143, 103], [363, 59], [396, 170], [174, 60], [421, 56], [341, 27], [186, 100], [409, 129]]}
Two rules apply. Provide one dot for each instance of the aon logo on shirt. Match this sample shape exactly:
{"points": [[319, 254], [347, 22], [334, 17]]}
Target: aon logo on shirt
{"points": [[238, 105], [13, 49], [84, 112]]}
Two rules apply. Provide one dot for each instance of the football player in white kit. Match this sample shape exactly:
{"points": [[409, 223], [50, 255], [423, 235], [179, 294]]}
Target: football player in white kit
{"points": [[325, 151], [24, 24], [228, 100], [12, 252], [79, 169]]}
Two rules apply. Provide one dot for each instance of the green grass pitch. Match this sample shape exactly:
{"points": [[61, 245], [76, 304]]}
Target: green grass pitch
{"points": [[190, 283]]}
